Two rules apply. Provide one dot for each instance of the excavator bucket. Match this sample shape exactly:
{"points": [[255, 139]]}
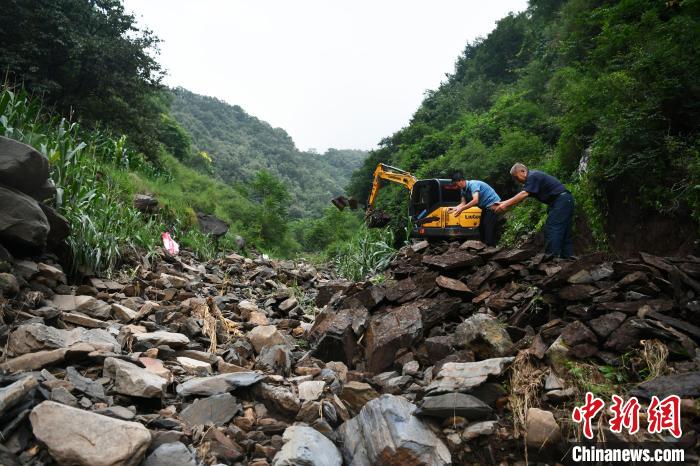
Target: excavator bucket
{"points": [[377, 219], [341, 202], [353, 203]]}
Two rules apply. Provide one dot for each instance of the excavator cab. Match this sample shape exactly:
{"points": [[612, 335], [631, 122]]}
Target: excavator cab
{"points": [[428, 206]]}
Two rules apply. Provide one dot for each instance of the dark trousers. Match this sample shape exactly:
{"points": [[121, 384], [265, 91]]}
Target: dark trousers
{"points": [[557, 228], [487, 227]]}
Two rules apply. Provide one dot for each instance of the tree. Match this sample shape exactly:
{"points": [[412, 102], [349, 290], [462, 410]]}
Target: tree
{"points": [[88, 59]]}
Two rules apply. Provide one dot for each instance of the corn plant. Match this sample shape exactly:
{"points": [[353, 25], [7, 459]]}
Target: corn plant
{"points": [[369, 252]]}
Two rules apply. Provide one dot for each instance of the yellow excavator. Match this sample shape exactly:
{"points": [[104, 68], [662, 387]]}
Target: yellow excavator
{"points": [[427, 208]]}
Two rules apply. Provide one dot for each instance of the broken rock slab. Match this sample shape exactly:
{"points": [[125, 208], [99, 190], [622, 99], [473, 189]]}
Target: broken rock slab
{"points": [[386, 432], [390, 331], [217, 384], [130, 379], [215, 410], [173, 340], [16, 392], [77, 437], [88, 305], [29, 338], [684, 385], [463, 376], [308, 447]]}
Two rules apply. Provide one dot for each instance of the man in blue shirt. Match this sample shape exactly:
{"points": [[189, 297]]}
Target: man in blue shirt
{"points": [[560, 214], [480, 194]]}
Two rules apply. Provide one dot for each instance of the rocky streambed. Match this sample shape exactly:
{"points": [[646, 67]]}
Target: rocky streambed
{"points": [[463, 355]]}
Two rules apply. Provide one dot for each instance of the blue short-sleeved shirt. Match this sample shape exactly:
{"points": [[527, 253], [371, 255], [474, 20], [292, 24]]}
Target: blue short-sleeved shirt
{"points": [[487, 195], [543, 187]]}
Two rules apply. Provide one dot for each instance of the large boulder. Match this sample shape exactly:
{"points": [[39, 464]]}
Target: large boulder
{"points": [[23, 225], [335, 333], [386, 432], [212, 225], [77, 437], [390, 331], [21, 166], [59, 227]]}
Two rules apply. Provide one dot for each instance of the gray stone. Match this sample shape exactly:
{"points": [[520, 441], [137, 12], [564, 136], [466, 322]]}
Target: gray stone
{"points": [[484, 335], [607, 323], [305, 446], [77, 437], [117, 412], [21, 166], [85, 384], [463, 376], [311, 390], [23, 225], [265, 335], [542, 429], [194, 366], [386, 432], [478, 429], [279, 398], [173, 340], [212, 225], [59, 227], [455, 404], [35, 337], [216, 410], [217, 384], [276, 359], [684, 385], [16, 392], [9, 287], [63, 396], [130, 379], [88, 305], [171, 454]]}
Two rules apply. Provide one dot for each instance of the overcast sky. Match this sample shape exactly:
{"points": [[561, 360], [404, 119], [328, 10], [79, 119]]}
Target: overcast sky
{"points": [[341, 74]]}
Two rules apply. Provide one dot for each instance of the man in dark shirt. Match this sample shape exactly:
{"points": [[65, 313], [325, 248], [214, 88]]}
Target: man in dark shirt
{"points": [[560, 214]]}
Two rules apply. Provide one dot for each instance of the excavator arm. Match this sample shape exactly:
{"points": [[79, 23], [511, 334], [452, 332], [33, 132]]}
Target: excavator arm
{"points": [[386, 172]]}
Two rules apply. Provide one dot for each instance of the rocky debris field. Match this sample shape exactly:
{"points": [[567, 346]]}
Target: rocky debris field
{"points": [[462, 355]]}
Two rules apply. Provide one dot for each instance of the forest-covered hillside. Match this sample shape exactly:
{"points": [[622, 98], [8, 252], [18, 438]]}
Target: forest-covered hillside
{"points": [[241, 145], [603, 94]]}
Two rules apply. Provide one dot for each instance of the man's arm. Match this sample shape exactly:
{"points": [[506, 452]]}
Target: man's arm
{"points": [[466, 205], [507, 204]]}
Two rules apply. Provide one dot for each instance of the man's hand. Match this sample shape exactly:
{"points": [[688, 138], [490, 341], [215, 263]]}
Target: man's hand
{"points": [[499, 207]]}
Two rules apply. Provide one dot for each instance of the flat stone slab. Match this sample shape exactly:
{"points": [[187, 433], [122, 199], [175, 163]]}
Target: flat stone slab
{"points": [[174, 340], [215, 410], [684, 385], [455, 404], [463, 376], [217, 384]]}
